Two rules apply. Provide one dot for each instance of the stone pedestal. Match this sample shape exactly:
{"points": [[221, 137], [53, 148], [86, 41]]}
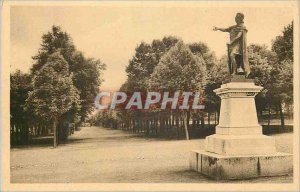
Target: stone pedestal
{"points": [[240, 166], [239, 150]]}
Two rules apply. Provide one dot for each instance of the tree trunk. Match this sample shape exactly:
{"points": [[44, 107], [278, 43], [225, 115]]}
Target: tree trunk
{"points": [[170, 124], [156, 123], [17, 133], [215, 118], [194, 123], [218, 114], [177, 124], [54, 133], [186, 125], [11, 132], [173, 119], [26, 133], [281, 115], [133, 126], [208, 119], [147, 127], [269, 116], [202, 122]]}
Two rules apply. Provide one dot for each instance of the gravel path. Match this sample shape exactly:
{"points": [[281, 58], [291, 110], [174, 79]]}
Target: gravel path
{"points": [[99, 155]]}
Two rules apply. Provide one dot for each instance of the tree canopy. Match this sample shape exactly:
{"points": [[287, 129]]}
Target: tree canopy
{"points": [[283, 44], [86, 72], [53, 91], [179, 69]]}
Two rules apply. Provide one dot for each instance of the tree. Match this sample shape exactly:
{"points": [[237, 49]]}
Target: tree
{"points": [[274, 75], [140, 67], [139, 70], [202, 50], [283, 44], [87, 77], [217, 74], [179, 69], [87, 72], [53, 91], [53, 41], [20, 85], [262, 61], [282, 84], [144, 61], [211, 101]]}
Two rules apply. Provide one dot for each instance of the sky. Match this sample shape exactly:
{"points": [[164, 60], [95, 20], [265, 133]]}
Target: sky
{"points": [[112, 33]]}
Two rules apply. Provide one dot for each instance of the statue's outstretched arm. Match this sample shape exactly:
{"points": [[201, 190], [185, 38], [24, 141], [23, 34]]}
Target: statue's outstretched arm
{"points": [[221, 29]]}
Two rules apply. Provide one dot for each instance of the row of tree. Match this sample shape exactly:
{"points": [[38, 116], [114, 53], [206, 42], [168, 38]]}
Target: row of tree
{"points": [[58, 93], [170, 65]]}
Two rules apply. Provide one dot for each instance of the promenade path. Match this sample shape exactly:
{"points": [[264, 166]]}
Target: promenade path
{"points": [[97, 155]]}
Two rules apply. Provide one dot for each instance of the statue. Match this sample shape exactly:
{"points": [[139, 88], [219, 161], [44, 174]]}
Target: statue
{"points": [[237, 49]]}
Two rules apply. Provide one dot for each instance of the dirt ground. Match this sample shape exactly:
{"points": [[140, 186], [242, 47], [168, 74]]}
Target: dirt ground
{"points": [[99, 155]]}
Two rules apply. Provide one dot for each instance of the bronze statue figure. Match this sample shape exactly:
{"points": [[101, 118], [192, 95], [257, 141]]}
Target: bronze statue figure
{"points": [[237, 49]]}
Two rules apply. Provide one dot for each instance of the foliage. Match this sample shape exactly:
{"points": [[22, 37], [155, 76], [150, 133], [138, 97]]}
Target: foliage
{"points": [[53, 41], [282, 74], [53, 91], [202, 50], [146, 57], [179, 69], [283, 44], [105, 118], [87, 72], [261, 61], [274, 75], [216, 76], [20, 85], [87, 77]]}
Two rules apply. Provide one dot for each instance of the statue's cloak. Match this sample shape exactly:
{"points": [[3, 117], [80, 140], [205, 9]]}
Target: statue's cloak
{"points": [[242, 43], [245, 52]]}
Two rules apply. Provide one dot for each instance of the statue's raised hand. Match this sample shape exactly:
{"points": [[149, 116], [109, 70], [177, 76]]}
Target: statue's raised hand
{"points": [[215, 28]]}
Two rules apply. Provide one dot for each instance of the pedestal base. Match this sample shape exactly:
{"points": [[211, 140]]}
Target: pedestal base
{"points": [[240, 144], [242, 166], [239, 150]]}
